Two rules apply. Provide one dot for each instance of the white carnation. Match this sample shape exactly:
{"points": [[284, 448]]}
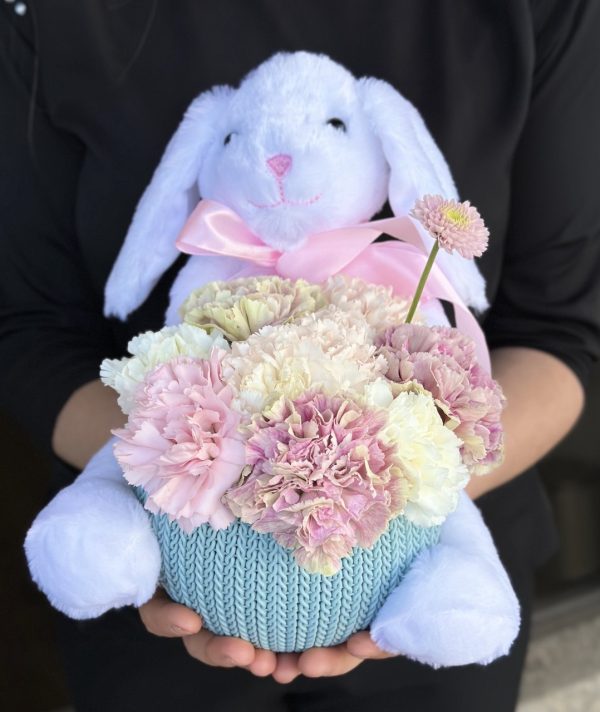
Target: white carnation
{"points": [[152, 348], [427, 454], [332, 355], [376, 303]]}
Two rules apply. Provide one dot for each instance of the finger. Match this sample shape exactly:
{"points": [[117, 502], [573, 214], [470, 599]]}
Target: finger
{"points": [[362, 646], [327, 662], [163, 617], [287, 668], [220, 651], [264, 663]]}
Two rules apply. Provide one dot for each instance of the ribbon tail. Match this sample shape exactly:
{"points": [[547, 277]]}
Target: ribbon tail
{"points": [[330, 252]]}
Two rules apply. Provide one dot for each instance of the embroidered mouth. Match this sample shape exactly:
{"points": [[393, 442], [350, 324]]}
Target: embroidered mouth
{"points": [[284, 201]]}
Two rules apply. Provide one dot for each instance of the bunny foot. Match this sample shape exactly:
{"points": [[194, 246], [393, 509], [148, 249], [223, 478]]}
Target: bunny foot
{"points": [[456, 605], [92, 549]]}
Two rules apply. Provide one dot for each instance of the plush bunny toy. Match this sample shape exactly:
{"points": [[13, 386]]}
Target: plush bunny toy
{"points": [[300, 147]]}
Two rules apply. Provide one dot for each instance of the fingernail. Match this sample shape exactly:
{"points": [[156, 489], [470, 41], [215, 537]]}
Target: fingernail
{"points": [[285, 679], [178, 630]]}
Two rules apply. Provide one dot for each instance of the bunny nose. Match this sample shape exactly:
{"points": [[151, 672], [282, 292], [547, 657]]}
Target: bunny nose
{"points": [[279, 164]]}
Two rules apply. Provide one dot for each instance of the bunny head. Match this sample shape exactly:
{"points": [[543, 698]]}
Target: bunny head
{"points": [[300, 147], [293, 155]]}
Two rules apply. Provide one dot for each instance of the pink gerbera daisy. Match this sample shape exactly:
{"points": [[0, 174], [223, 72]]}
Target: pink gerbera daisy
{"points": [[456, 226]]}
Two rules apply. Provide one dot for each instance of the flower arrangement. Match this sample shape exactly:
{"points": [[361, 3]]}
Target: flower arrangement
{"points": [[297, 438], [316, 414]]}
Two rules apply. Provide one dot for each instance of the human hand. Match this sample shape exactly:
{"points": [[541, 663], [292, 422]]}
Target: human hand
{"points": [[163, 617], [328, 662]]}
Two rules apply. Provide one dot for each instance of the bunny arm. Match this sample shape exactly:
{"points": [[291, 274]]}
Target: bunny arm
{"points": [[455, 605], [92, 547]]}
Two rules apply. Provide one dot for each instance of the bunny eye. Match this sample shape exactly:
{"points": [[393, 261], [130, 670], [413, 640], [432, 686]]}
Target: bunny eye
{"points": [[337, 124], [227, 138]]}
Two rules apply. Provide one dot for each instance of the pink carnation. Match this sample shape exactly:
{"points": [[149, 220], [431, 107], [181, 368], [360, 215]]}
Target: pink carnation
{"points": [[443, 361], [181, 443], [322, 482], [456, 226]]}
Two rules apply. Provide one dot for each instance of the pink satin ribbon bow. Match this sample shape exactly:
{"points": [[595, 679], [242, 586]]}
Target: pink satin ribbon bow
{"points": [[214, 229]]}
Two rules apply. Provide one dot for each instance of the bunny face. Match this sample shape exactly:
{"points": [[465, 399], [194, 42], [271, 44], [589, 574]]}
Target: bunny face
{"points": [[294, 157]]}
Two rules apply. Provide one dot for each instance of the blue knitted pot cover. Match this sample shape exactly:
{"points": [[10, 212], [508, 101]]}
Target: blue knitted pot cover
{"points": [[245, 585]]}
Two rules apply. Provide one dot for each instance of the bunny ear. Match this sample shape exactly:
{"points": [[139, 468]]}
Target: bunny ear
{"points": [[417, 168], [416, 163], [149, 246]]}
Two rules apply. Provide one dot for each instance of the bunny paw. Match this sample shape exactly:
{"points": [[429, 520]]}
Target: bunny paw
{"points": [[452, 608], [92, 549]]}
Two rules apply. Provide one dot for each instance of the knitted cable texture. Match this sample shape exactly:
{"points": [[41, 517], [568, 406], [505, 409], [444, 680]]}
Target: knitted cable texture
{"points": [[245, 585]]}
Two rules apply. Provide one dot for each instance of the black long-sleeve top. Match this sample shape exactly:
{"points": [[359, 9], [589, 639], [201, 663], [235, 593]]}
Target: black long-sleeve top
{"points": [[91, 91]]}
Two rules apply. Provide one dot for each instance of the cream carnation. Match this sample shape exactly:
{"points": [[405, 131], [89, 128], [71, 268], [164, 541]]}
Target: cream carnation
{"points": [[150, 349], [375, 302], [426, 452], [330, 355], [243, 306]]}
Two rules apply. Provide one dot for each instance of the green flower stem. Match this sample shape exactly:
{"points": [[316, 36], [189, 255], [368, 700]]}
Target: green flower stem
{"points": [[421, 285]]}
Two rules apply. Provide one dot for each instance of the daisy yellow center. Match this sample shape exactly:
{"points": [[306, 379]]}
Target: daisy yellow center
{"points": [[455, 215]]}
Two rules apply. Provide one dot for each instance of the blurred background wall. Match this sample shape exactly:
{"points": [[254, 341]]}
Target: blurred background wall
{"points": [[572, 477]]}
